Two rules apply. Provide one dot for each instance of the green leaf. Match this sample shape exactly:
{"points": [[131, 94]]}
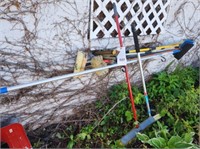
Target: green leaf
{"points": [[129, 116], [82, 136], [103, 122], [138, 98], [163, 112], [158, 142], [183, 145], [70, 144], [71, 137], [173, 141], [119, 144], [142, 137], [105, 129], [88, 137], [59, 136], [188, 137], [100, 134]]}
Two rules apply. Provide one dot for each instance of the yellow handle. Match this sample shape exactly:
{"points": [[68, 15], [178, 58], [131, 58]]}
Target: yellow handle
{"points": [[171, 46]]}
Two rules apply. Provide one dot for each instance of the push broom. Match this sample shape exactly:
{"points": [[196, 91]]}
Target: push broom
{"points": [[178, 54], [128, 137]]}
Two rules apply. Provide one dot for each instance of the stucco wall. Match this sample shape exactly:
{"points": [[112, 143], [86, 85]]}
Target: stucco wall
{"points": [[39, 40]]}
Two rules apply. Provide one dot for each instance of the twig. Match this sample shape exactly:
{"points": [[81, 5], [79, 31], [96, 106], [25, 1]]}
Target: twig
{"points": [[109, 111]]}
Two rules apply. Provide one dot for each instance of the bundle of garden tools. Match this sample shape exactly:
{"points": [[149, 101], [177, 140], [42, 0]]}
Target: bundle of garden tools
{"points": [[101, 58], [99, 61], [151, 119]]}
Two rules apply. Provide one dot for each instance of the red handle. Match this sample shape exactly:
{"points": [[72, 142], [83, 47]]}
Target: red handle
{"points": [[126, 68]]}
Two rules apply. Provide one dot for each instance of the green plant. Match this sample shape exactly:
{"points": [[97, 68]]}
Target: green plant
{"points": [[173, 142], [176, 98], [60, 135], [71, 143], [163, 139], [173, 95], [37, 144], [120, 91], [115, 114], [164, 85]]}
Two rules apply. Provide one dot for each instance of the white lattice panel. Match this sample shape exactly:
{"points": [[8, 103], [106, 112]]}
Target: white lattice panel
{"points": [[147, 15]]}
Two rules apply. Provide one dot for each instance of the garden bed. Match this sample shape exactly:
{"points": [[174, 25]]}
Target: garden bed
{"points": [[175, 96]]}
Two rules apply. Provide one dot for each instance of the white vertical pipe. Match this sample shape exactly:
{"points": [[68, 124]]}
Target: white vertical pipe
{"points": [[142, 73]]}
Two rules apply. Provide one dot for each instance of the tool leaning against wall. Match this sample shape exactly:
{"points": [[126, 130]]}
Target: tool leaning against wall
{"points": [[129, 136], [109, 56], [122, 59], [178, 53], [139, 126], [183, 48]]}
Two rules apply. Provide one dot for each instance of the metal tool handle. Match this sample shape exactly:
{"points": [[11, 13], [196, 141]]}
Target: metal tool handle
{"points": [[126, 68], [117, 24], [137, 48]]}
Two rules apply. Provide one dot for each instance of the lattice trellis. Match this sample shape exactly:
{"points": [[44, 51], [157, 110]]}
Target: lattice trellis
{"points": [[147, 15]]}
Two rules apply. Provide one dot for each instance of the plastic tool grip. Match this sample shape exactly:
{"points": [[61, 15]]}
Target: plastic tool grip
{"points": [[3, 90], [184, 48], [132, 134], [135, 37]]}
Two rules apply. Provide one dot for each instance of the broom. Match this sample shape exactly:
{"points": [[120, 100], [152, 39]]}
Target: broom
{"points": [[128, 137]]}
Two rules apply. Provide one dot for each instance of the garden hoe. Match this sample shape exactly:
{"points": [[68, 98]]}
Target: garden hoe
{"points": [[128, 137]]}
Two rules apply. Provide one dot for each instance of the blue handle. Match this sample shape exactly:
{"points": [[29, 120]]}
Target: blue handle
{"points": [[184, 48], [147, 103], [176, 51], [187, 41], [3, 90], [132, 134]]}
